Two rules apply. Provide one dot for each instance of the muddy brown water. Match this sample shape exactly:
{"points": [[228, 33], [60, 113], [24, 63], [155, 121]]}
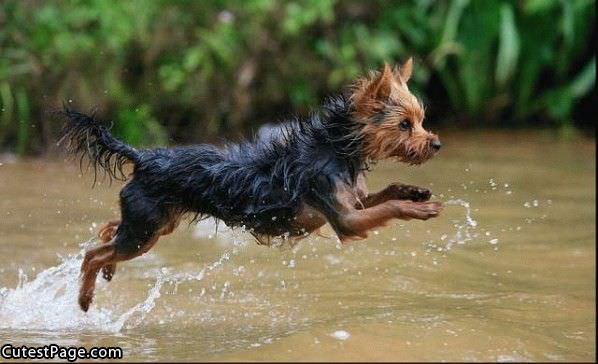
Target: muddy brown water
{"points": [[507, 272]]}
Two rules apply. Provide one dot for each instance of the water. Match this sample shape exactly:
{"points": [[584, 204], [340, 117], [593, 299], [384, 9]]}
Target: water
{"points": [[506, 273]]}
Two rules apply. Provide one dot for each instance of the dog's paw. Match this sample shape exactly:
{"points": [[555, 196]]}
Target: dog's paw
{"points": [[345, 239], [85, 301], [108, 272], [419, 194], [409, 192], [419, 210]]}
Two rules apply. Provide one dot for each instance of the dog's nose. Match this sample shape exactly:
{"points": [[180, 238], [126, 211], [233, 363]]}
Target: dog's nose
{"points": [[436, 144]]}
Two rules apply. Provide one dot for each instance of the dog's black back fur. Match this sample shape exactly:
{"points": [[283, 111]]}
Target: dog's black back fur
{"points": [[258, 184]]}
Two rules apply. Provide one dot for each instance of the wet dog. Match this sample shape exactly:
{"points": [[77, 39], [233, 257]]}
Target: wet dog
{"points": [[288, 182]]}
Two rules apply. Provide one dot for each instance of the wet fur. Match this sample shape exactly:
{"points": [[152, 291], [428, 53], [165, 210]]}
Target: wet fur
{"points": [[257, 184], [289, 182]]}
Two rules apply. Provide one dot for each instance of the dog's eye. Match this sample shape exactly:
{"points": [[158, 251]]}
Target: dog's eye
{"points": [[405, 125]]}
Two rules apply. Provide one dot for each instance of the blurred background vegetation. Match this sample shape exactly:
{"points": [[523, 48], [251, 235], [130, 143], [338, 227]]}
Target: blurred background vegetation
{"points": [[167, 71]]}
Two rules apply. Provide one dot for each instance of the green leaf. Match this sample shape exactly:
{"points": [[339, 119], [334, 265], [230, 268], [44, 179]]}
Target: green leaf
{"points": [[585, 80], [538, 6], [508, 46], [23, 117], [449, 32], [7, 103]]}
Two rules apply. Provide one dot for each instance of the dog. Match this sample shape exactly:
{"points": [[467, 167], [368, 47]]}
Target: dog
{"points": [[288, 182]]}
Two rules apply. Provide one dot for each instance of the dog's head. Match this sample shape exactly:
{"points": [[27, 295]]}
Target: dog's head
{"points": [[391, 117]]}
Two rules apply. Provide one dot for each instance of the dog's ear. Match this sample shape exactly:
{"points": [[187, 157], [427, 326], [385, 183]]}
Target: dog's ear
{"points": [[370, 94], [403, 73], [381, 85]]}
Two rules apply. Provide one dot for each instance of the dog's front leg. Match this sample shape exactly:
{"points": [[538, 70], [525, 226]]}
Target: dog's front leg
{"points": [[355, 223], [349, 222], [397, 191]]}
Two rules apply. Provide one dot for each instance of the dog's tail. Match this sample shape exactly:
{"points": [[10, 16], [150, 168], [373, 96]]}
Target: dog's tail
{"points": [[86, 137]]}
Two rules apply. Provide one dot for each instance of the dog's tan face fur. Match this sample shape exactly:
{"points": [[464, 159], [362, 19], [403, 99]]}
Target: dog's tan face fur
{"points": [[392, 117]]}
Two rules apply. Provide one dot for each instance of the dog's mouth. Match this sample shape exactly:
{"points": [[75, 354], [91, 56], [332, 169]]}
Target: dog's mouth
{"points": [[415, 156], [417, 152], [414, 160]]}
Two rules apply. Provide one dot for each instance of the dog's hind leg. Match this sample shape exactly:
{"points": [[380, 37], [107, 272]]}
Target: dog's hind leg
{"points": [[108, 231], [94, 260], [106, 234], [128, 243], [106, 255], [143, 220]]}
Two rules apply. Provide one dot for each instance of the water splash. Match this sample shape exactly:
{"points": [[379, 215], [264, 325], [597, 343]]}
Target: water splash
{"points": [[177, 278], [49, 301], [465, 228]]}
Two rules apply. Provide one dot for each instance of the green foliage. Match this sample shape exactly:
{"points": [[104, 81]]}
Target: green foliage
{"points": [[192, 70], [138, 125], [23, 117]]}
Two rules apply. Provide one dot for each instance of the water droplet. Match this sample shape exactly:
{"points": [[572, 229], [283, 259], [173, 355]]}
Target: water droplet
{"points": [[341, 335]]}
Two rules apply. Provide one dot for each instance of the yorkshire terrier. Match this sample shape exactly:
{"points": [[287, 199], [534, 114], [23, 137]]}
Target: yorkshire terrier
{"points": [[288, 183]]}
